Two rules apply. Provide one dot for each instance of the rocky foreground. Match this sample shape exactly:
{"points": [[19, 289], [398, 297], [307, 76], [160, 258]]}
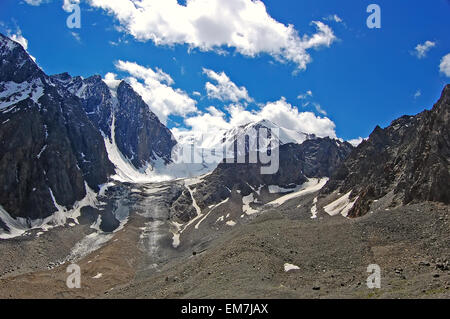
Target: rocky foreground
{"points": [[410, 244]]}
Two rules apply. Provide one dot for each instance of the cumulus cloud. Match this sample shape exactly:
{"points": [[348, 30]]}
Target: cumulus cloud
{"points": [[225, 90], [444, 67], [155, 87], [215, 25], [282, 113], [421, 50]]}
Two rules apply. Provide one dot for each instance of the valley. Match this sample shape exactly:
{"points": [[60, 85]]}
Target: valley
{"points": [[216, 260], [91, 177]]}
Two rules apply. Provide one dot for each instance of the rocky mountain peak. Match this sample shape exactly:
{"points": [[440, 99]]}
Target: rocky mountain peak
{"points": [[15, 63], [407, 162], [50, 152]]}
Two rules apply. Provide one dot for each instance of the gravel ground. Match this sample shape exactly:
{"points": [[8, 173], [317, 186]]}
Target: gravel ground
{"points": [[410, 244]]}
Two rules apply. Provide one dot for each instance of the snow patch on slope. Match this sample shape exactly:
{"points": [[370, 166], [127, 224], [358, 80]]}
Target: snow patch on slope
{"points": [[342, 206], [87, 245], [212, 209], [13, 93], [289, 267], [246, 208], [311, 186], [19, 226], [314, 209]]}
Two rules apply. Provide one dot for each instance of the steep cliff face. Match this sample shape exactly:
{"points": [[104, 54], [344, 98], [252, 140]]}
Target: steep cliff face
{"points": [[140, 136], [95, 96], [409, 160], [49, 149]]}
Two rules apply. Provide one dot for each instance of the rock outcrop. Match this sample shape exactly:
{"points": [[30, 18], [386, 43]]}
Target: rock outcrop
{"points": [[49, 149], [314, 158], [409, 160]]}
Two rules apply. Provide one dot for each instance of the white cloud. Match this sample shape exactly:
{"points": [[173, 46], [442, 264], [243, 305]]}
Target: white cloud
{"points": [[35, 2], [19, 38], [76, 36], [421, 50], [225, 90], [444, 67], [155, 87], [307, 101], [306, 95], [355, 142], [67, 5], [215, 25], [279, 112], [319, 109], [334, 17], [112, 81], [417, 94]]}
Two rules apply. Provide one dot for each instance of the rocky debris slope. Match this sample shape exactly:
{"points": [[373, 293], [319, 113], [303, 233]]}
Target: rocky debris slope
{"points": [[407, 162], [49, 150]]}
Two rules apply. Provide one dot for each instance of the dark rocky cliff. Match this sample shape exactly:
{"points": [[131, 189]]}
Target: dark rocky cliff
{"points": [[297, 162], [409, 159], [47, 142]]}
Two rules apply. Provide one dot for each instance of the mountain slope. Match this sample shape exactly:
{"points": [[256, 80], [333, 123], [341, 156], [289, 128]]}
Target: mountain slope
{"points": [[140, 138], [316, 158], [407, 162], [50, 153]]}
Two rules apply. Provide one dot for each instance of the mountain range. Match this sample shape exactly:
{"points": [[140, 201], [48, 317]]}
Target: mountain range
{"points": [[63, 137], [89, 157]]}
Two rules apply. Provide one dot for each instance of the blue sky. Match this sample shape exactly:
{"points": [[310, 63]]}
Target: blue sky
{"points": [[363, 78]]}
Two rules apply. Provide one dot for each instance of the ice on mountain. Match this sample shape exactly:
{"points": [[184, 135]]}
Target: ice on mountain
{"points": [[311, 186], [342, 206], [246, 208]]}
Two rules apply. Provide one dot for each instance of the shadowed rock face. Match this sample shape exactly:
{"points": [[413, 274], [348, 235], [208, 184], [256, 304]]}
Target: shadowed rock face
{"points": [[52, 133], [409, 158], [46, 141], [140, 135], [95, 96]]}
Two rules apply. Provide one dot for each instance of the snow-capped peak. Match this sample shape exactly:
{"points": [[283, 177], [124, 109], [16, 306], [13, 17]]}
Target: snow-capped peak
{"points": [[283, 135]]}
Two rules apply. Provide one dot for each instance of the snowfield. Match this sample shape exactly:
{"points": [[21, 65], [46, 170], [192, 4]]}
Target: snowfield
{"points": [[340, 206], [311, 186]]}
